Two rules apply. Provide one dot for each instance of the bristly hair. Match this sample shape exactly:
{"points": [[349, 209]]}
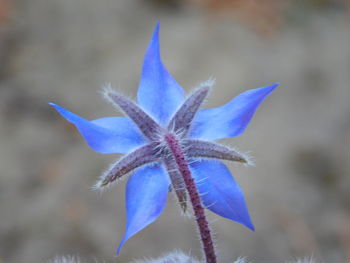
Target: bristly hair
{"points": [[98, 186], [249, 158], [208, 83], [106, 89]]}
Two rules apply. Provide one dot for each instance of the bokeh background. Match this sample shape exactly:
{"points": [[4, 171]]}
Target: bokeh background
{"points": [[64, 50]]}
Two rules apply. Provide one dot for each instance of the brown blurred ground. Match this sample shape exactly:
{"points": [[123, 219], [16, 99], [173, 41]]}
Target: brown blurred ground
{"points": [[63, 51]]}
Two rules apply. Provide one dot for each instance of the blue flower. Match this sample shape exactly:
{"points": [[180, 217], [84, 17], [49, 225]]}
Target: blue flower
{"points": [[163, 109]]}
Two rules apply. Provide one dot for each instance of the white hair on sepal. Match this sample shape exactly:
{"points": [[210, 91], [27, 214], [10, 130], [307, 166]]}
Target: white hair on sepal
{"points": [[192, 160], [250, 161], [188, 212], [107, 88], [247, 156], [208, 83], [98, 186], [180, 133], [161, 150], [171, 124], [184, 146], [106, 91]]}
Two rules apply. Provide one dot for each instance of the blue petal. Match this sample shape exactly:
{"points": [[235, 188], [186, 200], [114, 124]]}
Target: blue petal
{"points": [[105, 135], [146, 195], [159, 94], [230, 119], [220, 192]]}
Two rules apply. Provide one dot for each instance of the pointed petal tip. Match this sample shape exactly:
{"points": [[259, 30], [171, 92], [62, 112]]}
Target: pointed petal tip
{"points": [[233, 117], [106, 135], [250, 226], [53, 105], [272, 87], [156, 84], [157, 26], [69, 116], [58, 108], [245, 221], [119, 248], [155, 35], [275, 85], [145, 199], [223, 195]]}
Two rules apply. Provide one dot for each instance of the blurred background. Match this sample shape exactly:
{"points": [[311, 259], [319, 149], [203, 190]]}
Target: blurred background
{"points": [[63, 51]]}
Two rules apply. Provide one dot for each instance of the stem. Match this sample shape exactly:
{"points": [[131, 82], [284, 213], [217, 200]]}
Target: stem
{"points": [[198, 209]]}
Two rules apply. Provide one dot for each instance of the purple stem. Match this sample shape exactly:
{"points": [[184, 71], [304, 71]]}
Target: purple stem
{"points": [[198, 209]]}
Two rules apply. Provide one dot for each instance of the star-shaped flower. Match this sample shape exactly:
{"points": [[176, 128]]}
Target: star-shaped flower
{"points": [[161, 115]]}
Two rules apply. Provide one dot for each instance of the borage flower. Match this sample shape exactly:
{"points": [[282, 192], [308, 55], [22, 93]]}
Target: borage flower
{"points": [[168, 143]]}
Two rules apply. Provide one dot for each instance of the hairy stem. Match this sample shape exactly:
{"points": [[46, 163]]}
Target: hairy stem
{"points": [[198, 209], [177, 182]]}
